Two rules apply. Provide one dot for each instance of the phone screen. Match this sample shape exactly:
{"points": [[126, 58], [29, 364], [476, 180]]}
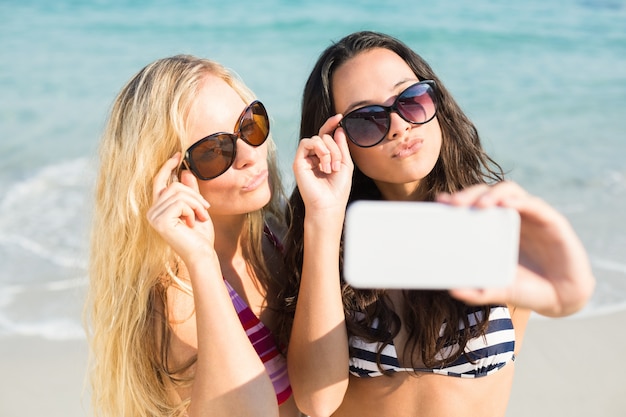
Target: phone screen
{"points": [[418, 245]]}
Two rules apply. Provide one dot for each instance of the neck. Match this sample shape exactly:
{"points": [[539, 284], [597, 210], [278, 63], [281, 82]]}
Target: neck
{"points": [[228, 236], [401, 192], [236, 269]]}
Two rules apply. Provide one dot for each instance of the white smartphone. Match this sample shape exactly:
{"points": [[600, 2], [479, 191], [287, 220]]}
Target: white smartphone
{"points": [[418, 245]]}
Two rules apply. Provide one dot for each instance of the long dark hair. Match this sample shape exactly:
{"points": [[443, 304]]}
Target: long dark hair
{"points": [[462, 162]]}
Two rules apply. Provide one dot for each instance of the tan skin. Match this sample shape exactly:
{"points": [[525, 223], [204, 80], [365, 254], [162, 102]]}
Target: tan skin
{"points": [[553, 278], [203, 222]]}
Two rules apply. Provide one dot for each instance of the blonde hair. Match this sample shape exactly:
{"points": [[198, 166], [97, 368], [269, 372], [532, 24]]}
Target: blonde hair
{"points": [[128, 259]]}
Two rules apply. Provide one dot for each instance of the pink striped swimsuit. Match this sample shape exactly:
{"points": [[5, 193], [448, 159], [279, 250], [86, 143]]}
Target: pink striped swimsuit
{"points": [[265, 346]]}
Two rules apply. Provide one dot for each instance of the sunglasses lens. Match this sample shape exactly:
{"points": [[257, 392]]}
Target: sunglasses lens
{"points": [[213, 155], [416, 103], [254, 125], [365, 127]]}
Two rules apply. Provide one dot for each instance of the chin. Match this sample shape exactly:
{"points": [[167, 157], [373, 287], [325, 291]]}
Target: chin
{"points": [[258, 200]]}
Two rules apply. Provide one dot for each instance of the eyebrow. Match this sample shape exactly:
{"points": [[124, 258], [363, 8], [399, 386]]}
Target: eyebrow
{"points": [[362, 103]]}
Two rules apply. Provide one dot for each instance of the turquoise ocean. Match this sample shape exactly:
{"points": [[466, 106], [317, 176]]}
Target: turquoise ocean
{"points": [[544, 81]]}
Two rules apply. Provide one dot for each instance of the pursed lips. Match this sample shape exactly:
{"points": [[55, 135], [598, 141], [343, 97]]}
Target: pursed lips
{"points": [[408, 148], [256, 181]]}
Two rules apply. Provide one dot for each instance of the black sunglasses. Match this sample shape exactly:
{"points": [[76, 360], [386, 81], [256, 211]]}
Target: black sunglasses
{"points": [[367, 126], [211, 156]]}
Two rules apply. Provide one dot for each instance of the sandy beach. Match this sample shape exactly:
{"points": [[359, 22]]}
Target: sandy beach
{"points": [[43, 378], [572, 367], [568, 367]]}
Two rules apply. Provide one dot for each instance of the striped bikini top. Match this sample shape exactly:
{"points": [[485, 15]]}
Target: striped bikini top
{"points": [[265, 346], [488, 353]]}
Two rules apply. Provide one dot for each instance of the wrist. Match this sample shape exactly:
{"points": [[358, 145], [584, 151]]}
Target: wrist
{"points": [[202, 262], [327, 220]]}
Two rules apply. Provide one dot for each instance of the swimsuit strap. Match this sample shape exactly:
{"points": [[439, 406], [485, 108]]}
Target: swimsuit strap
{"points": [[273, 238], [265, 346]]}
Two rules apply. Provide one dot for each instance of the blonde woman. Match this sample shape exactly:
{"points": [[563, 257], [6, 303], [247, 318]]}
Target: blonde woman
{"points": [[185, 264]]}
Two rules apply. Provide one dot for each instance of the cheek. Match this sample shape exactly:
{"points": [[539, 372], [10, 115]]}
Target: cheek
{"points": [[367, 160], [436, 138], [215, 190], [436, 148]]}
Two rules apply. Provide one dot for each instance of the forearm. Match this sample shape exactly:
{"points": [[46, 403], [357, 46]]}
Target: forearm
{"points": [[574, 281], [318, 349], [230, 378]]}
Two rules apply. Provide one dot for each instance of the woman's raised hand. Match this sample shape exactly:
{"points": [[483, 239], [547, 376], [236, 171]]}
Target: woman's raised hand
{"points": [[323, 168], [554, 276], [179, 212]]}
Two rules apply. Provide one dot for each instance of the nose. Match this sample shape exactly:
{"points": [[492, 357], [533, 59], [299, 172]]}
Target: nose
{"points": [[398, 127], [247, 155]]}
